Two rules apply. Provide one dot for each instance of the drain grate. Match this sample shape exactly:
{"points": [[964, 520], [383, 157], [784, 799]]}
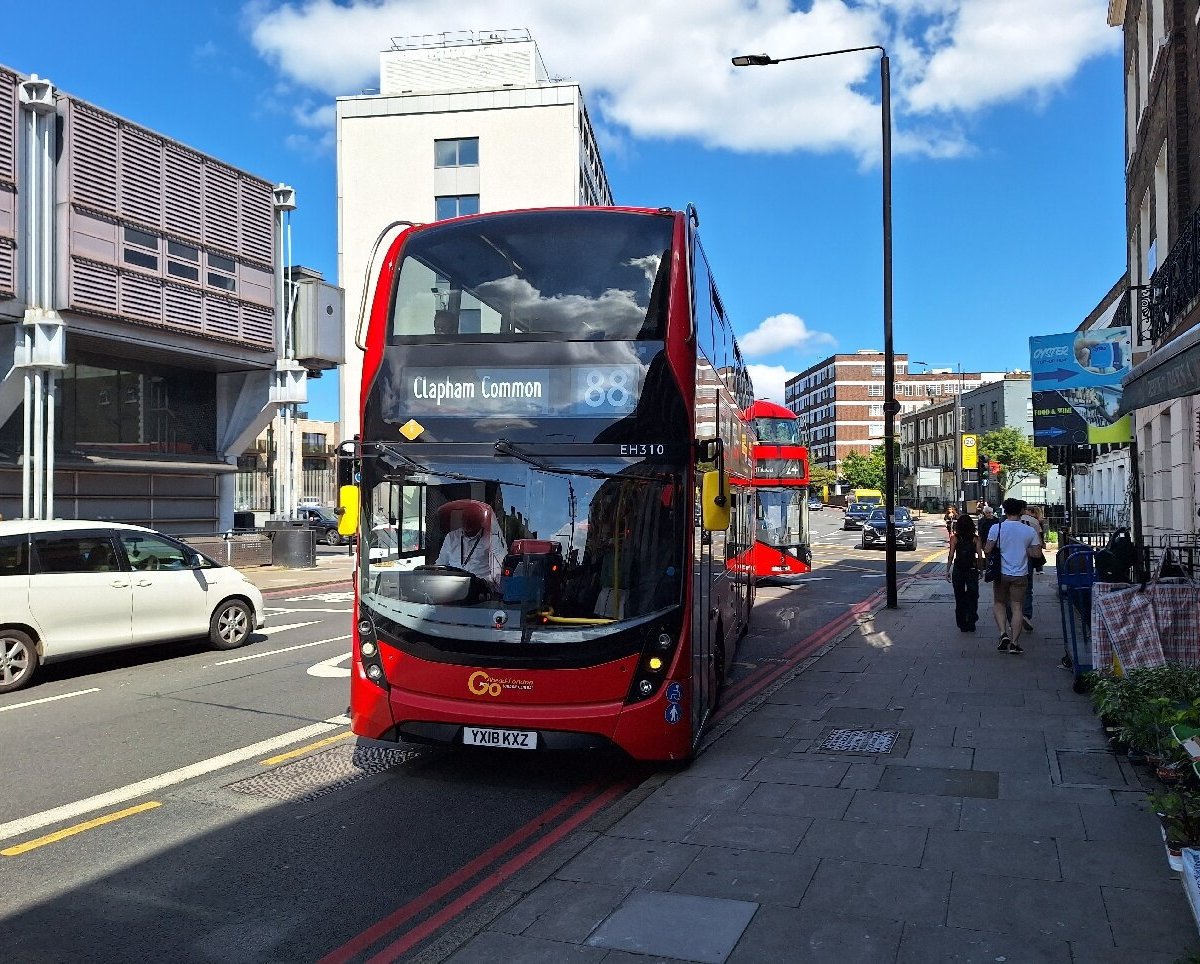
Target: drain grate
{"points": [[859, 741], [321, 773]]}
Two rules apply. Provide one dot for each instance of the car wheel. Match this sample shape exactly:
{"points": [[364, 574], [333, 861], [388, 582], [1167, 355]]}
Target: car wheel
{"points": [[18, 660], [333, 538], [231, 624]]}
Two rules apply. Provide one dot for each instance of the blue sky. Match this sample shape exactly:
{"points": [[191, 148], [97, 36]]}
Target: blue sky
{"points": [[1008, 196]]}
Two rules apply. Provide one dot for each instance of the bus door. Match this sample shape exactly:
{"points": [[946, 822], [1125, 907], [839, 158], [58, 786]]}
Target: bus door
{"points": [[711, 578]]}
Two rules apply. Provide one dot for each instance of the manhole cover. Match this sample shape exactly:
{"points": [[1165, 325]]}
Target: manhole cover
{"points": [[859, 741], [321, 773]]}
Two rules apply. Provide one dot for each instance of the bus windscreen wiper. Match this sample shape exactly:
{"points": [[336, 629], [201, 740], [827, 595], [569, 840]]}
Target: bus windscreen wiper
{"points": [[504, 447], [409, 467]]}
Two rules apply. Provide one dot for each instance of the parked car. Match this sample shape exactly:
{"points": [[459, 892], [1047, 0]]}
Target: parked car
{"points": [[875, 529], [856, 514], [324, 521], [815, 504], [71, 588]]}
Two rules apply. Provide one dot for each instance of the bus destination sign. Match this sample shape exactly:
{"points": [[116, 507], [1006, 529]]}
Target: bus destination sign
{"points": [[571, 391]]}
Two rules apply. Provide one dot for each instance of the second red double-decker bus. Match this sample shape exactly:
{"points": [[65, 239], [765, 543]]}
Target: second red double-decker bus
{"points": [[781, 544], [554, 477]]}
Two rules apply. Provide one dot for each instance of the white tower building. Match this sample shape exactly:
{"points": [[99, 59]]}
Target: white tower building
{"points": [[462, 122]]}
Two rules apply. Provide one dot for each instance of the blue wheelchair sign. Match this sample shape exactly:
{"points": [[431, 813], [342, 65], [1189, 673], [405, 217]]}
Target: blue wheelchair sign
{"points": [[674, 693]]}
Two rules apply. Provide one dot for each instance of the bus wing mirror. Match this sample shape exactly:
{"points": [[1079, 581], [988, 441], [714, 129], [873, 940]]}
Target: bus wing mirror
{"points": [[347, 510], [714, 501]]}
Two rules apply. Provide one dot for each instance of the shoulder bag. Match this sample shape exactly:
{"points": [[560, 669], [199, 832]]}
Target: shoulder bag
{"points": [[991, 571]]}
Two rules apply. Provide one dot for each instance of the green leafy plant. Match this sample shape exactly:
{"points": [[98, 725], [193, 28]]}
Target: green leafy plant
{"points": [[1179, 813]]}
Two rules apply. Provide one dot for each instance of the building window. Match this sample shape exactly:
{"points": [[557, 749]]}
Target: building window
{"points": [[455, 205], [460, 152], [875, 411], [995, 412], [144, 250], [222, 272], [183, 261], [875, 391]]}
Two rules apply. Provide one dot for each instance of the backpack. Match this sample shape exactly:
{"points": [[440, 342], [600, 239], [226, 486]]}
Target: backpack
{"points": [[1115, 562]]}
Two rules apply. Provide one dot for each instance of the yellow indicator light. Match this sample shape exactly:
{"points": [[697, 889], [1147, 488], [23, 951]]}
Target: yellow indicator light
{"points": [[655, 663], [411, 429]]}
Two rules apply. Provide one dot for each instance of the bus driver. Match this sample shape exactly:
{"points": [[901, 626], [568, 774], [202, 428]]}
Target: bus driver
{"points": [[476, 544]]}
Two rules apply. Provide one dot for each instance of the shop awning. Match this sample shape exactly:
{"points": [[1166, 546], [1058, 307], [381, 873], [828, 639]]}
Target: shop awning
{"points": [[1171, 372]]}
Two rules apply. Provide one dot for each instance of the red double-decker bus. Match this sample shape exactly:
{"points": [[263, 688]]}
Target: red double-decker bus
{"points": [[552, 477], [781, 543]]}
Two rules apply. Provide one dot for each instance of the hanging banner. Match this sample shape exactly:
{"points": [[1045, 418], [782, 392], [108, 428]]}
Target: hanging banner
{"points": [[1077, 386], [970, 451]]}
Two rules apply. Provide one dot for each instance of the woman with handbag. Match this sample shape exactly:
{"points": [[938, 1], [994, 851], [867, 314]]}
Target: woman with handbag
{"points": [[962, 569]]}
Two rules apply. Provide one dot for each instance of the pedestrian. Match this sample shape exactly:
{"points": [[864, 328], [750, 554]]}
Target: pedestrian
{"points": [[949, 517], [1017, 543], [987, 519], [962, 569], [1032, 517]]}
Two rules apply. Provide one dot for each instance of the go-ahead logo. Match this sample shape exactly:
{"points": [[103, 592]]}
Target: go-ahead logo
{"points": [[481, 684], [1049, 354]]}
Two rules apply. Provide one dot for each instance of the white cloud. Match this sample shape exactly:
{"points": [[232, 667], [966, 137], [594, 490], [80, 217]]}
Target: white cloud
{"points": [[647, 81], [781, 332], [769, 381], [990, 51]]}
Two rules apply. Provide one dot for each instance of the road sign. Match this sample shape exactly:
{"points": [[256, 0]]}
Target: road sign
{"points": [[1077, 386]]}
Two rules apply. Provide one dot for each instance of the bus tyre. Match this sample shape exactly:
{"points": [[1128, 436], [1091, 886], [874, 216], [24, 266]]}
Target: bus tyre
{"points": [[18, 660], [231, 624]]}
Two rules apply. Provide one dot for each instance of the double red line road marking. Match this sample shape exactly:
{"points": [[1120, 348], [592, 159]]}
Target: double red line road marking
{"points": [[501, 861]]}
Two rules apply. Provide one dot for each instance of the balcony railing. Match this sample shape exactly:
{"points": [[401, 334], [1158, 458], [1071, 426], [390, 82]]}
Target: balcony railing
{"points": [[1175, 287]]}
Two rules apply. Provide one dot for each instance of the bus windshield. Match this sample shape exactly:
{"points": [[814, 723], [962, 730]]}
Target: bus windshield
{"points": [[781, 515], [482, 554], [562, 275], [778, 431]]}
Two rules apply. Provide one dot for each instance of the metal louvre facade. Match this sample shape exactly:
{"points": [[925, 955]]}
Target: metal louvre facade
{"points": [[8, 184], [162, 236]]}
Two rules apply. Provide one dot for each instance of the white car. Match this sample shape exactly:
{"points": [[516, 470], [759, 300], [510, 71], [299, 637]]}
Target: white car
{"points": [[71, 588]]}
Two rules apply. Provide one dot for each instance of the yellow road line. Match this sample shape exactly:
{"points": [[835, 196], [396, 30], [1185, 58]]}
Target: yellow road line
{"points": [[271, 761], [78, 828]]}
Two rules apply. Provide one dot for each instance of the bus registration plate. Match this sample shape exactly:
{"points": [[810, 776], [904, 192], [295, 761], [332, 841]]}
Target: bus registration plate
{"points": [[505, 739]]}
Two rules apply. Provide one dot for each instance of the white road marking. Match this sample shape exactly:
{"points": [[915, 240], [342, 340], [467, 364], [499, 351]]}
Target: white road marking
{"points": [[49, 699], [272, 630], [69, 811], [325, 597], [285, 649], [278, 610], [329, 669]]}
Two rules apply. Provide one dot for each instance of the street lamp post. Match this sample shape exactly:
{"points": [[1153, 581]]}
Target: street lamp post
{"points": [[890, 405]]}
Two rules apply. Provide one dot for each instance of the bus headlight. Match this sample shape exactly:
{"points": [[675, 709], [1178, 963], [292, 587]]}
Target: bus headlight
{"points": [[645, 687], [368, 652]]}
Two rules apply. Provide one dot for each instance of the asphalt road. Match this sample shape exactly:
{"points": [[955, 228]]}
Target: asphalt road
{"points": [[183, 804]]}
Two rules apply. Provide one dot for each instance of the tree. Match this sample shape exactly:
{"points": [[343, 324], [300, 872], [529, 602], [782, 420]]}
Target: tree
{"points": [[821, 479], [864, 471], [1018, 457]]}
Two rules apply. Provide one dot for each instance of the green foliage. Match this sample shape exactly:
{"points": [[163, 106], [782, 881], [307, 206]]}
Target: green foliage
{"points": [[820, 478], [1179, 813], [1145, 703], [1018, 457], [862, 472]]}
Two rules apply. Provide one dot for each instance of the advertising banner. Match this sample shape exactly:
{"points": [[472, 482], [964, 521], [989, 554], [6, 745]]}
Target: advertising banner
{"points": [[1077, 386]]}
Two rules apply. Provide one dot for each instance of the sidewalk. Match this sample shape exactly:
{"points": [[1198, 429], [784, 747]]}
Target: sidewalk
{"points": [[998, 827], [330, 570]]}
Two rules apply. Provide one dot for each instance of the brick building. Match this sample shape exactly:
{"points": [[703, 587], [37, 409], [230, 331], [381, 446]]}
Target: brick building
{"points": [[840, 400]]}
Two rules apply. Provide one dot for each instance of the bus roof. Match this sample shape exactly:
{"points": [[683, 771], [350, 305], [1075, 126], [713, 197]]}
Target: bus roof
{"points": [[767, 409]]}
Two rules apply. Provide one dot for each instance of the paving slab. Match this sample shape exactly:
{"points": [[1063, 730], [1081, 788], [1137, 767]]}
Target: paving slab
{"points": [[904, 809], [1057, 909], [561, 910], [812, 773], [617, 861], [1151, 920], [878, 890], [765, 878], [784, 934], [941, 781], [684, 926], [866, 842], [491, 946], [923, 944], [1002, 854], [777, 833], [1022, 817], [808, 801]]}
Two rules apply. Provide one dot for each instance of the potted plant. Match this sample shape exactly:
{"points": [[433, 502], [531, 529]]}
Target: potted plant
{"points": [[1179, 819]]}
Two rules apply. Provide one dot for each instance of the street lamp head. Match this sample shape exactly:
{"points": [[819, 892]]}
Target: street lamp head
{"points": [[753, 60]]}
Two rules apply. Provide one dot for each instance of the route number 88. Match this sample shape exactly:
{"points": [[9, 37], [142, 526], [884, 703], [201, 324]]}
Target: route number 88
{"points": [[613, 388]]}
